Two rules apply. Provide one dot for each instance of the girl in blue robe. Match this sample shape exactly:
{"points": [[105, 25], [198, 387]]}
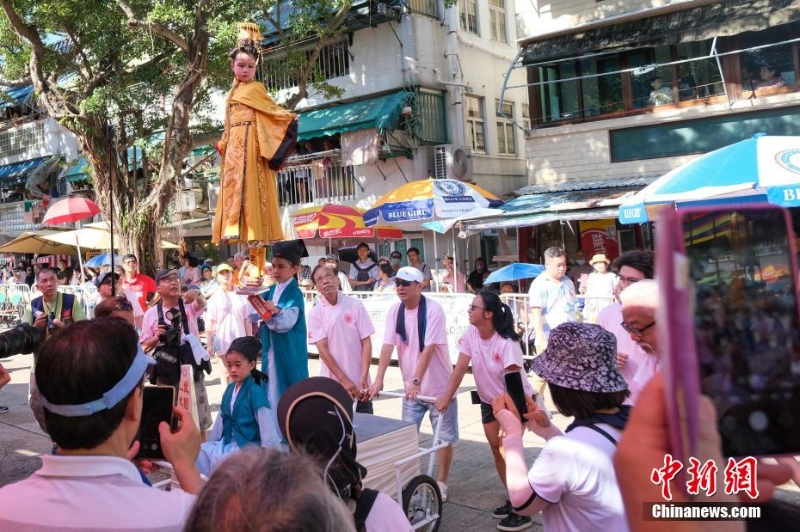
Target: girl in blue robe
{"points": [[244, 417]]}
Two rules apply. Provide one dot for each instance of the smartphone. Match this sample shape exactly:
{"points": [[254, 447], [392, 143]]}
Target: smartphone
{"points": [[157, 406], [737, 270], [514, 388]]}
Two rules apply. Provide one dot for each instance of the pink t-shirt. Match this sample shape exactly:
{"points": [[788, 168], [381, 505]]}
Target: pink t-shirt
{"points": [[490, 358], [150, 320], [460, 282], [434, 381], [343, 325], [640, 364]]}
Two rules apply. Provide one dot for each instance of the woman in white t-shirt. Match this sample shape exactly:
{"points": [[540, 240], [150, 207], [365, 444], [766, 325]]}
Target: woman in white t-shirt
{"points": [[491, 345], [226, 317], [572, 482]]}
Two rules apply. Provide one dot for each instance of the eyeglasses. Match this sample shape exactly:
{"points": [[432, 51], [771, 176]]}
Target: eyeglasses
{"points": [[403, 283], [627, 280], [472, 308], [634, 331]]}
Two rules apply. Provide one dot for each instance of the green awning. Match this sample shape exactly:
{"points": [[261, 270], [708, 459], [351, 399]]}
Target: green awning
{"points": [[382, 113], [78, 170]]}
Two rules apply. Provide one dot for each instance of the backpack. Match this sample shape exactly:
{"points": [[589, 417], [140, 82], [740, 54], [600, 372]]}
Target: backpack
{"points": [[363, 275], [363, 507]]}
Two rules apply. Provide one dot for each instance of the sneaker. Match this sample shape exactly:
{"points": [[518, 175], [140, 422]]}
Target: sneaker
{"points": [[501, 512], [3, 409], [442, 490], [514, 522]]}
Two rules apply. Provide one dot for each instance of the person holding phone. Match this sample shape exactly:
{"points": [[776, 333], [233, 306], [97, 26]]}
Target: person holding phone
{"points": [[491, 345], [90, 376], [572, 481]]}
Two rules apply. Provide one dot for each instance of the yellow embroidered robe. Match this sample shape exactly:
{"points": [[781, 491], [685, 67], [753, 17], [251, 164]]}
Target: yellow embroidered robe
{"points": [[247, 209]]}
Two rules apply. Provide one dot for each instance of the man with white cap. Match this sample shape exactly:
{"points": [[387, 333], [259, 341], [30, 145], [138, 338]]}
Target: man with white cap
{"points": [[416, 326]]}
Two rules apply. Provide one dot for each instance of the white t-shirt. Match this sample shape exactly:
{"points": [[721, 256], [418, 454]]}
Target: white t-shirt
{"points": [[228, 311], [575, 474], [434, 382], [490, 358]]}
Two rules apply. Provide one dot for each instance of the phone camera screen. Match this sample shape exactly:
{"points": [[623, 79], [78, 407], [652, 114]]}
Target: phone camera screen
{"points": [[746, 327]]}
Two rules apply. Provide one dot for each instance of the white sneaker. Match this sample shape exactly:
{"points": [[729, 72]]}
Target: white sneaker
{"points": [[442, 490]]}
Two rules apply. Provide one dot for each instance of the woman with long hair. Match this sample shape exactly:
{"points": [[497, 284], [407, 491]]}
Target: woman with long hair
{"points": [[477, 275], [491, 345]]}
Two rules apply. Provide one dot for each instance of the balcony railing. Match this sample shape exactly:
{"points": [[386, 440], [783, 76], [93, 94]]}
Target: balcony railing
{"points": [[316, 177]]}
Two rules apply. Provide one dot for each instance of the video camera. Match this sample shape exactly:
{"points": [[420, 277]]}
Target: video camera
{"points": [[22, 339], [172, 333]]}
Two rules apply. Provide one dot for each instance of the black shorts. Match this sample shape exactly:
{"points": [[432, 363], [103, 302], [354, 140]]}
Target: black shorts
{"points": [[487, 413]]}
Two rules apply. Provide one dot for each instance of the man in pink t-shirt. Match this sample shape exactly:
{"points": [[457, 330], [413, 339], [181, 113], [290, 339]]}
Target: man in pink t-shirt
{"points": [[341, 329], [422, 354]]}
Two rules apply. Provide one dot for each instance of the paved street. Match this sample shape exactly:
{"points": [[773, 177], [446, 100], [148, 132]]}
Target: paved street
{"points": [[474, 486]]}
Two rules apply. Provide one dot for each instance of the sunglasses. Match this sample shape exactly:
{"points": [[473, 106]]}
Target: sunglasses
{"points": [[637, 332], [403, 283]]}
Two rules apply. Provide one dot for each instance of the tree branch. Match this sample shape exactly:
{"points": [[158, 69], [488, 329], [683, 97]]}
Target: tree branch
{"points": [[15, 83], [155, 27], [79, 51], [30, 34]]}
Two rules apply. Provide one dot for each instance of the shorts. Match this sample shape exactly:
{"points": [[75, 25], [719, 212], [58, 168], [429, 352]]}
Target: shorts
{"points": [[414, 411], [487, 413]]}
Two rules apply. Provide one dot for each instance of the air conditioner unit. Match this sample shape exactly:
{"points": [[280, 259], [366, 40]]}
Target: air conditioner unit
{"points": [[452, 162]]}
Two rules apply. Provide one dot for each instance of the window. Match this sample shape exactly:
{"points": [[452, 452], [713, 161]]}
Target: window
{"points": [[506, 144], [431, 118], [333, 62], [473, 106], [468, 14], [680, 75], [497, 20]]}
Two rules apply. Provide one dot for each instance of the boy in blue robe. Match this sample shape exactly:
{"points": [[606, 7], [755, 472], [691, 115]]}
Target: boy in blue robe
{"points": [[284, 357]]}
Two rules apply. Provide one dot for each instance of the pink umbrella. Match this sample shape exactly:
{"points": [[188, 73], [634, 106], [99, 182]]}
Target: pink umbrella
{"points": [[71, 210]]}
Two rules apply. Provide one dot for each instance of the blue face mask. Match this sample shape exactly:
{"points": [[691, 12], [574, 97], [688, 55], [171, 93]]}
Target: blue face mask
{"points": [[580, 262]]}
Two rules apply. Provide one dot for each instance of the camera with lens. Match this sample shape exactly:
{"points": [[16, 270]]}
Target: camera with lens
{"points": [[172, 330], [22, 339], [50, 318]]}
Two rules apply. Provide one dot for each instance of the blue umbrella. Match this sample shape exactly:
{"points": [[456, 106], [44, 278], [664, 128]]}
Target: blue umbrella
{"points": [[103, 259], [760, 169], [514, 272]]}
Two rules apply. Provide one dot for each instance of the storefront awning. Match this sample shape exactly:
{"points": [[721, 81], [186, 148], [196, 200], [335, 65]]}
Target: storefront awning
{"points": [[16, 96], [575, 200], [381, 113], [78, 170], [728, 17], [15, 173]]}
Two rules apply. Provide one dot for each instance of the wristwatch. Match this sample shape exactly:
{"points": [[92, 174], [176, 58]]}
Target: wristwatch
{"points": [[415, 381]]}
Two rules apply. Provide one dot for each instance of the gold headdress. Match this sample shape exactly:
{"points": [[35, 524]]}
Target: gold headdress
{"points": [[249, 33]]}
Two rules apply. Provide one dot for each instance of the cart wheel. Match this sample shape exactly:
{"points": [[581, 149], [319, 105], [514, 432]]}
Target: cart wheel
{"points": [[422, 503]]}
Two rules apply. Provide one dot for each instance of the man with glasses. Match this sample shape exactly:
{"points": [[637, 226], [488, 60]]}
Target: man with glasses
{"points": [[342, 331], [416, 326], [140, 284], [639, 303], [169, 330], [631, 267]]}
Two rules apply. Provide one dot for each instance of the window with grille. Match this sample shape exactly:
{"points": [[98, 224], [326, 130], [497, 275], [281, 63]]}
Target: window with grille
{"points": [[497, 20], [468, 15], [506, 144]]}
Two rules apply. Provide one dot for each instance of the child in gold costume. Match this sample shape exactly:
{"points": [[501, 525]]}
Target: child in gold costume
{"points": [[258, 137]]}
